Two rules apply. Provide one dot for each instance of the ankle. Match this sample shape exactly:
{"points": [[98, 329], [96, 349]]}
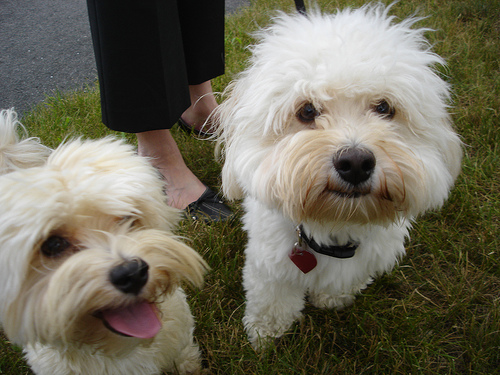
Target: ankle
{"points": [[203, 103], [181, 185]]}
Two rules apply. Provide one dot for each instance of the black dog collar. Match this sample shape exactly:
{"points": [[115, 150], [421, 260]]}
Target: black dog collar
{"points": [[337, 251]]}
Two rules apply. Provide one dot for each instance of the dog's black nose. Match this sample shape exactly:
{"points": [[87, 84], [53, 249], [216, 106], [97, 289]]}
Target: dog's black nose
{"points": [[354, 165], [131, 276]]}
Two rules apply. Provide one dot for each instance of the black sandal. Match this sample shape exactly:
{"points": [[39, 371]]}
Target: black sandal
{"points": [[209, 207], [190, 130]]}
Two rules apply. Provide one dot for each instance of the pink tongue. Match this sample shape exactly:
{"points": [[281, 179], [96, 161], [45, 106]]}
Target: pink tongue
{"points": [[139, 320]]}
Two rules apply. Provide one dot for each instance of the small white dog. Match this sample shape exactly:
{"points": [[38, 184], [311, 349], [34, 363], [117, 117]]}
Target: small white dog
{"points": [[337, 136], [90, 271]]}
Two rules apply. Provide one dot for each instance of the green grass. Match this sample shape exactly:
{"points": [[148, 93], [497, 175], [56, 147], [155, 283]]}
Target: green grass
{"points": [[438, 312]]}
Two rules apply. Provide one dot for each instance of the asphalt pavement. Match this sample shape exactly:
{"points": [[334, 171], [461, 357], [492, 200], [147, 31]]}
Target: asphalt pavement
{"points": [[46, 47]]}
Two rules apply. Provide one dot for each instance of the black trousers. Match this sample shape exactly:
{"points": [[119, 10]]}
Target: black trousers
{"points": [[148, 52]]}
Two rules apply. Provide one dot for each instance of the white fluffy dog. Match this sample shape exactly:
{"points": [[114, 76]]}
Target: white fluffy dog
{"points": [[90, 271], [337, 136]]}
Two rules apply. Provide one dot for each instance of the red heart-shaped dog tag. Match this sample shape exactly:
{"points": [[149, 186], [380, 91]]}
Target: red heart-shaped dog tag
{"points": [[303, 259]]}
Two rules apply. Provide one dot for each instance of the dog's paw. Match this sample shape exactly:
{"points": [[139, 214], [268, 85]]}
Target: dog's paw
{"points": [[191, 362], [263, 339], [326, 301], [258, 342], [262, 334]]}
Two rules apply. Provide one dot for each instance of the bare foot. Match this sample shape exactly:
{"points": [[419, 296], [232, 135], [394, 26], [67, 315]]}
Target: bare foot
{"points": [[181, 185]]}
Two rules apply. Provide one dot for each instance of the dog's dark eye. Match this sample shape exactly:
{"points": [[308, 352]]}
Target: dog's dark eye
{"points": [[385, 110], [54, 246], [307, 113]]}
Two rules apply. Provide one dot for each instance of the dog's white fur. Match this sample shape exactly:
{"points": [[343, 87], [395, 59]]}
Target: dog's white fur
{"points": [[18, 151], [344, 66], [108, 206]]}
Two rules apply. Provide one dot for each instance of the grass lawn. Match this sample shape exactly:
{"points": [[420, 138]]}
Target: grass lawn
{"points": [[438, 312]]}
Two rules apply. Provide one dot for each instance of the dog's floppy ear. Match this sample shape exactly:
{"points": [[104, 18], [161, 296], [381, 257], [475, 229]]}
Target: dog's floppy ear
{"points": [[453, 146], [230, 186], [225, 122], [18, 152]]}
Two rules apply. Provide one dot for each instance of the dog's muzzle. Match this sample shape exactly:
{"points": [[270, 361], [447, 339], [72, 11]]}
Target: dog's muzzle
{"points": [[130, 276], [354, 165]]}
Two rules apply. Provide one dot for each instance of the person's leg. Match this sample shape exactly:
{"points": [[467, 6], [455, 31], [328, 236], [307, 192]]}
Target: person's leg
{"points": [[144, 88], [181, 185], [202, 104], [129, 53], [139, 55], [202, 25]]}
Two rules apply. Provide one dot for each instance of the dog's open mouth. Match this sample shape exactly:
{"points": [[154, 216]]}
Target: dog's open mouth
{"points": [[137, 320]]}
